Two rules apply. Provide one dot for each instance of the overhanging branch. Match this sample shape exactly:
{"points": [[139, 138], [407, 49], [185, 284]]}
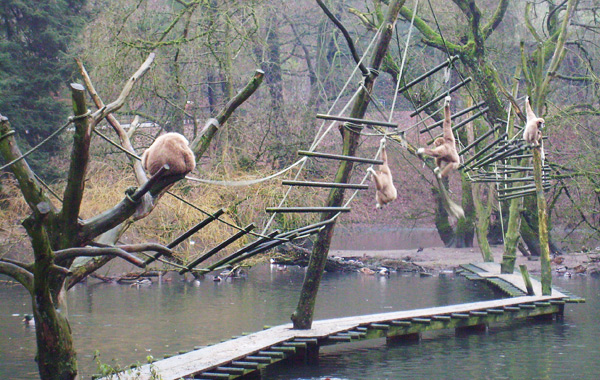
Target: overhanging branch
{"points": [[18, 273]]}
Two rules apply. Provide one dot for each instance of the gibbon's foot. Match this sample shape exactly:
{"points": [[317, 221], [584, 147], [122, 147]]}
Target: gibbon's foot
{"points": [[438, 172], [420, 151]]}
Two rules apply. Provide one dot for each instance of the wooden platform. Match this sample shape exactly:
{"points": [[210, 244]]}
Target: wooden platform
{"points": [[247, 354]]}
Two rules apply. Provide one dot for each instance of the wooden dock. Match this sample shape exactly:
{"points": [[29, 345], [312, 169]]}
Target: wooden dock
{"points": [[246, 355]]}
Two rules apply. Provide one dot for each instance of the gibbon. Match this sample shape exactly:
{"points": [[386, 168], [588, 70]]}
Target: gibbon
{"points": [[171, 149], [445, 147], [386, 192], [532, 133]]}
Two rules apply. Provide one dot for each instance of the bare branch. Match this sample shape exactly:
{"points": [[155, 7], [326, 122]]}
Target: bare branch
{"points": [[71, 253], [140, 174], [202, 142], [18, 273], [112, 107], [30, 187], [79, 160], [344, 31], [496, 19]]}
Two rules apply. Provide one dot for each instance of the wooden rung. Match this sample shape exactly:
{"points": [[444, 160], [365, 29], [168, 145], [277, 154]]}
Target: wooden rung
{"points": [[215, 375], [441, 96], [441, 317], [356, 186], [557, 302], [495, 311], [188, 233], [229, 259], [429, 73], [261, 248], [478, 313], [483, 150], [259, 359], [527, 306], [246, 364], [452, 117], [478, 140], [512, 308], [357, 121], [424, 321], [401, 323], [283, 349], [307, 209], [219, 247], [295, 344], [340, 157], [232, 370], [542, 303], [307, 340], [379, 326], [272, 354]]}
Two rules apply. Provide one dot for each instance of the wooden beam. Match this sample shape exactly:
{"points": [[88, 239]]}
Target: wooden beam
{"points": [[339, 157]]}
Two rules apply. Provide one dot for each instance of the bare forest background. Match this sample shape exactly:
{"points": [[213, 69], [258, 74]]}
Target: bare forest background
{"points": [[207, 50]]}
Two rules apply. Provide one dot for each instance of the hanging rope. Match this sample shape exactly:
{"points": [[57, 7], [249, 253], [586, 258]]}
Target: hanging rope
{"points": [[44, 141], [401, 72], [247, 182], [318, 139]]}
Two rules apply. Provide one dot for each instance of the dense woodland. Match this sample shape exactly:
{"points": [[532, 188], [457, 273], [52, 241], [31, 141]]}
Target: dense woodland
{"points": [[200, 53]]}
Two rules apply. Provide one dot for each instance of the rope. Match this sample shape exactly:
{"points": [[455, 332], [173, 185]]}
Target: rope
{"points": [[410, 29], [44, 141], [247, 182], [319, 139]]}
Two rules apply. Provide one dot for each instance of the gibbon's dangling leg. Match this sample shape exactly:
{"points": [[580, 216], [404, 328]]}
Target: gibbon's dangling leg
{"points": [[169, 149], [386, 191], [445, 147]]}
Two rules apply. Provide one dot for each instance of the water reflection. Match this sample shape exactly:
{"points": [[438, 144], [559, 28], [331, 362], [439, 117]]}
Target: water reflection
{"points": [[130, 323]]}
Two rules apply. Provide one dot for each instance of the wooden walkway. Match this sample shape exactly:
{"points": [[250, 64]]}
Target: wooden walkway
{"points": [[245, 356]]}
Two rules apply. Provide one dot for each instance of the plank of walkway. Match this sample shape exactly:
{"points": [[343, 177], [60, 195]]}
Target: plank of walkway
{"points": [[516, 279], [219, 354]]}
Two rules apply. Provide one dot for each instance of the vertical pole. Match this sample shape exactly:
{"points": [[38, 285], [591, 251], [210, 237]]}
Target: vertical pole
{"points": [[542, 222], [527, 280]]}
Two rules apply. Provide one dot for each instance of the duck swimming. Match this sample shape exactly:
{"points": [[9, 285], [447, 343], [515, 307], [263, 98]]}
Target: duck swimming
{"points": [[28, 320]]}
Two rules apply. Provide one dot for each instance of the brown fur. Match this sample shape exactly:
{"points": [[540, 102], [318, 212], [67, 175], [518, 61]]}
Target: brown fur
{"points": [[532, 133], [386, 191], [445, 147], [171, 149]]}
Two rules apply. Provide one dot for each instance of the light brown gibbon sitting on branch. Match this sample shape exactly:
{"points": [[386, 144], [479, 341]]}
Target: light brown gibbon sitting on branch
{"points": [[445, 147], [169, 149], [386, 192]]}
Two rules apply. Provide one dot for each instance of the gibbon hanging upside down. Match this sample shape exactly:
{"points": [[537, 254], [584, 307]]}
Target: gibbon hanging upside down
{"points": [[171, 149], [386, 191], [445, 147]]}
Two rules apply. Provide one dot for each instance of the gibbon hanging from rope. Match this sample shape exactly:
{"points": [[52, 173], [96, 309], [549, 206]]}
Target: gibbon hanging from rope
{"points": [[386, 191], [445, 147]]}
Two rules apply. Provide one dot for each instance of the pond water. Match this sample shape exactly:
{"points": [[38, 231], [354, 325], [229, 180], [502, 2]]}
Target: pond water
{"points": [[130, 323]]}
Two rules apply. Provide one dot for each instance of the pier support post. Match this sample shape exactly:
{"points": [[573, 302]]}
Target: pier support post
{"points": [[542, 222], [413, 337]]}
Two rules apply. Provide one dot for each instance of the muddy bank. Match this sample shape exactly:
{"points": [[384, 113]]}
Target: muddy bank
{"points": [[436, 259]]}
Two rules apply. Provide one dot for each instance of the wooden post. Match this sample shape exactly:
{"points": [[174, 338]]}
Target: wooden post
{"points": [[542, 222], [527, 280]]}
